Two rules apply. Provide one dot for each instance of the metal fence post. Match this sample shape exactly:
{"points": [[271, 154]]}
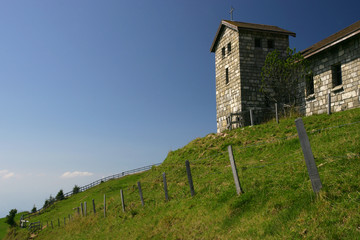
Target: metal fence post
{"points": [[104, 205], [93, 202], [140, 192], [308, 155], [188, 171], [276, 113], [122, 200], [329, 104], [251, 117], [234, 171], [165, 187]]}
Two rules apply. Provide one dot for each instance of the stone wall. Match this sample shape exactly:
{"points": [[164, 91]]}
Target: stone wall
{"points": [[345, 96], [228, 96], [252, 60]]}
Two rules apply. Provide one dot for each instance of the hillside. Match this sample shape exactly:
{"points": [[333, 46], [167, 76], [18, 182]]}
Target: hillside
{"points": [[278, 202]]}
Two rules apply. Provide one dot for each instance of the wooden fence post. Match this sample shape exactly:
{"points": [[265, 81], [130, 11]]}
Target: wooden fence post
{"points": [[276, 113], [85, 209], [165, 187], [140, 192], [52, 226], [234, 171], [78, 210], [104, 205], [122, 200], [188, 171], [329, 104], [58, 222], [93, 202], [251, 117], [308, 155]]}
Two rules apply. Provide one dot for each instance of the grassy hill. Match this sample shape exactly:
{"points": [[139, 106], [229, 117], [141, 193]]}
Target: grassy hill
{"points": [[278, 202]]}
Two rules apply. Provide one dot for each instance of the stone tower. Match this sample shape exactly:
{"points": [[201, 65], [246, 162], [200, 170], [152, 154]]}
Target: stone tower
{"points": [[240, 51]]}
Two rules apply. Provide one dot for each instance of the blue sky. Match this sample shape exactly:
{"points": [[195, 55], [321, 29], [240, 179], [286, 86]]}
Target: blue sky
{"points": [[93, 88]]}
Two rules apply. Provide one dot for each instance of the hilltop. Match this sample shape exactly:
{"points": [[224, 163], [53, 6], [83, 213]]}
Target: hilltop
{"points": [[278, 202]]}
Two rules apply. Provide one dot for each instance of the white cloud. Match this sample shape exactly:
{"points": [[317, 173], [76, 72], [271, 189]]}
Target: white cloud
{"points": [[76, 174], [5, 174]]}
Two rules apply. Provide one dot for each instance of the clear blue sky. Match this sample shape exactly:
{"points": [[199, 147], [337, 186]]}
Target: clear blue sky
{"points": [[93, 88]]}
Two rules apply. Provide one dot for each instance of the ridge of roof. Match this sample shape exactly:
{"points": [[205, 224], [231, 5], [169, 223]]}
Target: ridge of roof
{"points": [[333, 39], [248, 26]]}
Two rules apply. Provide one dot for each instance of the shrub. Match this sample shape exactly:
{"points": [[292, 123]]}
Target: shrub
{"points": [[76, 189], [10, 219], [33, 210], [60, 195]]}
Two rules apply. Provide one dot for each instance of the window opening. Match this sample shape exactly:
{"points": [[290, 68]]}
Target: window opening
{"points": [[227, 75], [258, 42], [336, 75]]}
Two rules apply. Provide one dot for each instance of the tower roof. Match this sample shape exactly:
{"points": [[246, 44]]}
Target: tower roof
{"points": [[332, 40], [237, 26]]}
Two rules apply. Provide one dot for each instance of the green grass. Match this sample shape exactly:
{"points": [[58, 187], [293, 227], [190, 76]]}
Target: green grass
{"points": [[278, 202]]}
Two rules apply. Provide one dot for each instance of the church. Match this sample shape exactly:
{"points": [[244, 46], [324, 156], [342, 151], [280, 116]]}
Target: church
{"points": [[240, 52]]}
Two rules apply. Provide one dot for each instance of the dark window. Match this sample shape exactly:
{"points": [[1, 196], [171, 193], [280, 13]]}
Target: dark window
{"points": [[336, 75], [309, 84], [223, 52], [227, 75], [258, 42], [271, 43], [229, 47]]}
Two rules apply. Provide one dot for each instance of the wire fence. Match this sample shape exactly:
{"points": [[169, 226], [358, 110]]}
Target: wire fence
{"points": [[93, 184], [223, 156]]}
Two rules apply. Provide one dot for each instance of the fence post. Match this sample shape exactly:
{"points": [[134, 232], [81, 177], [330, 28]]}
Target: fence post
{"points": [[58, 222], [251, 117], [104, 205], [82, 209], [329, 104], [165, 187], [64, 221], [52, 226], [78, 210], [308, 155], [234, 171], [93, 202], [85, 209], [122, 200], [140, 192], [188, 171], [276, 113]]}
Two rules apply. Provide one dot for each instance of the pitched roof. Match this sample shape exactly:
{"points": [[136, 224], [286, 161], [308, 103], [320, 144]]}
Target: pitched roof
{"points": [[332, 40], [247, 26]]}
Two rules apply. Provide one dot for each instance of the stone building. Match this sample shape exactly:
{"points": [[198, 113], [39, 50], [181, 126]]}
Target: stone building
{"points": [[240, 51], [335, 65]]}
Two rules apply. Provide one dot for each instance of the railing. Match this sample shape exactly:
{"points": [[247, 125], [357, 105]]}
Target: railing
{"points": [[93, 184], [35, 226]]}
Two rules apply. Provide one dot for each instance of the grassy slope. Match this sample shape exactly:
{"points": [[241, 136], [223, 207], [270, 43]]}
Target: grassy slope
{"points": [[278, 200], [4, 227]]}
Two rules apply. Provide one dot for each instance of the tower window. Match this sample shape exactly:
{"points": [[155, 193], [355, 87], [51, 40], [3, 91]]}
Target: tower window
{"points": [[227, 75], [270, 43], [336, 75], [229, 47], [258, 42], [309, 84], [223, 52]]}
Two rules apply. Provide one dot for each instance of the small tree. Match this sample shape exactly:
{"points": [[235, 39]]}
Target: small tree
{"points": [[10, 219], [60, 195], [33, 210], [76, 189], [281, 76]]}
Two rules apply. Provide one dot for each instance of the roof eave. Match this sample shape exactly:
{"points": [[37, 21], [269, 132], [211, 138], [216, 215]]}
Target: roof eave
{"points": [[218, 32], [330, 44]]}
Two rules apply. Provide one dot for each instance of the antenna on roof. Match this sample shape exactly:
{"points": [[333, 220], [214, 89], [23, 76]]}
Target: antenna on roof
{"points": [[231, 13]]}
